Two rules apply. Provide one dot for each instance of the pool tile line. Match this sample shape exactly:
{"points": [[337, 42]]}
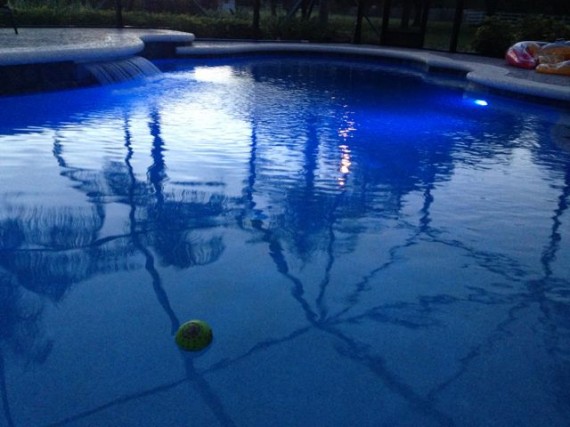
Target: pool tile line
{"points": [[38, 53]]}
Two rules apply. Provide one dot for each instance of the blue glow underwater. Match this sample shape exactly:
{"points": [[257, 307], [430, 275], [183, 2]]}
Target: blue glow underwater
{"points": [[369, 247]]}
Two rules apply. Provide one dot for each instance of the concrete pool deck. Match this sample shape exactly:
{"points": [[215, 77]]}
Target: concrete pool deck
{"points": [[34, 47]]}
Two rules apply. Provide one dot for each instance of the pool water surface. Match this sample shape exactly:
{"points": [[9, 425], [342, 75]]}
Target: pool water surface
{"points": [[370, 248]]}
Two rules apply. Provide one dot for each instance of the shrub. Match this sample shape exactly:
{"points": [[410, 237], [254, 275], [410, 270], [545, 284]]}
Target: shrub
{"points": [[493, 37], [542, 28]]}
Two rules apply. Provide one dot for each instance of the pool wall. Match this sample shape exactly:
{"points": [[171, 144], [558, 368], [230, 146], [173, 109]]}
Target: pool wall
{"points": [[29, 67], [480, 74]]}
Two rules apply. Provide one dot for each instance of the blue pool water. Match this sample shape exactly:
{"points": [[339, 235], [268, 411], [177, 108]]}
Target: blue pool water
{"points": [[369, 247]]}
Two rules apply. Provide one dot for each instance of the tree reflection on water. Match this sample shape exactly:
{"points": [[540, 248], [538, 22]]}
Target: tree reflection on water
{"points": [[329, 197]]}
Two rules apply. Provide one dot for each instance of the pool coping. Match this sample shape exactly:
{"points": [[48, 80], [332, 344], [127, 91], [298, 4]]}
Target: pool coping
{"points": [[481, 73], [59, 58], [52, 47], [87, 45]]}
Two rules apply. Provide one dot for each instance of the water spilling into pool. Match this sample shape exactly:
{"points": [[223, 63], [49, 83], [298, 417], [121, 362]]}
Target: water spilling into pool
{"points": [[369, 249], [109, 72]]}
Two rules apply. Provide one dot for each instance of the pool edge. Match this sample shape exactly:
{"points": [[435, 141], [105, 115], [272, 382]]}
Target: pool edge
{"points": [[478, 75], [31, 68]]}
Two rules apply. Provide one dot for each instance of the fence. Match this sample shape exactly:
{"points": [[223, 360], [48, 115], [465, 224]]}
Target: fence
{"points": [[342, 21], [477, 17]]}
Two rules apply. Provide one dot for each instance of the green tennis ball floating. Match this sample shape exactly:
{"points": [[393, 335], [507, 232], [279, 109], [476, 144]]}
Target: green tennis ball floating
{"points": [[194, 335]]}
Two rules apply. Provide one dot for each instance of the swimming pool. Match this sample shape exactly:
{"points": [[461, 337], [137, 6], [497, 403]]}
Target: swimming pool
{"points": [[370, 248]]}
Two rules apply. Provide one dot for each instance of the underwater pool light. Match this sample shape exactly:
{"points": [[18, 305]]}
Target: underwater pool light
{"points": [[481, 102]]}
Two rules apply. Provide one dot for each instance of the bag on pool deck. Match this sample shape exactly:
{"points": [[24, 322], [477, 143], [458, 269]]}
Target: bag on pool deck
{"points": [[524, 54]]}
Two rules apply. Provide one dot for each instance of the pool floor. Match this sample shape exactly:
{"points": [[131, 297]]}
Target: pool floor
{"points": [[362, 259]]}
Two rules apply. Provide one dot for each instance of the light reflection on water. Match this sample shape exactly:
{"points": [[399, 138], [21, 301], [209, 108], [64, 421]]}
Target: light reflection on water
{"points": [[369, 249]]}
